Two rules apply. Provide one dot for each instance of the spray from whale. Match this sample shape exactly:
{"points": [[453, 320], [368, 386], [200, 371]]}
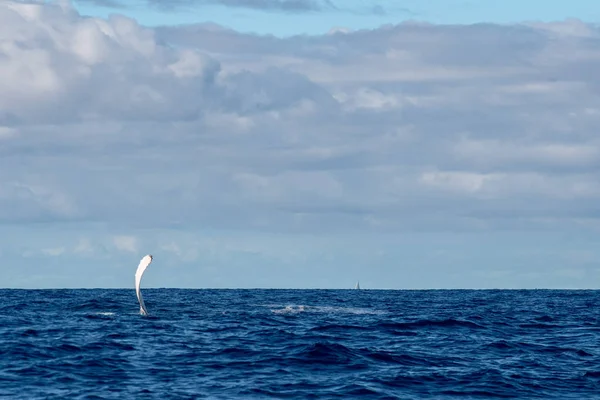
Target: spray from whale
{"points": [[144, 262]]}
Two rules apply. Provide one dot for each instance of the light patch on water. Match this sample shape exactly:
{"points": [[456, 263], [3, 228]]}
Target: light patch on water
{"points": [[294, 308], [105, 313], [289, 309]]}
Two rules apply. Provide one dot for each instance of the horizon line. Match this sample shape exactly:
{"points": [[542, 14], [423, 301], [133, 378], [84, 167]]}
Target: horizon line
{"points": [[259, 288]]}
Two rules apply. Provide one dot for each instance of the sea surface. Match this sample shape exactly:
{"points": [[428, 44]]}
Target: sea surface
{"points": [[300, 344]]}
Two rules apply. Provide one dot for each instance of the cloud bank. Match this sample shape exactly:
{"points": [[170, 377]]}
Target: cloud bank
{"points": [[287, 6], [405, 128], [108, 120]]}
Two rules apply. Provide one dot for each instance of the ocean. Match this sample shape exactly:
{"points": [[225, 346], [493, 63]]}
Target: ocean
{"points": [[300, 344]]}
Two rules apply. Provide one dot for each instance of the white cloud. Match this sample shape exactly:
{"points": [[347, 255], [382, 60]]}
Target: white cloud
{"points": [[7, 132], [126, 243], [84, 246], [460, 181], [369, 99], [54, 252], [510, 153]]}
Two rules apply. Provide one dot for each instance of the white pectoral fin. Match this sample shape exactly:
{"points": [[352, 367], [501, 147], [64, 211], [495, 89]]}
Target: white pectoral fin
{"points": [[144, 262]]}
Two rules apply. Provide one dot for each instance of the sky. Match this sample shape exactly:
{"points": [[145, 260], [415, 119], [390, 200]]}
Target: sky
{"points": [[316, 17], [403, 146]]}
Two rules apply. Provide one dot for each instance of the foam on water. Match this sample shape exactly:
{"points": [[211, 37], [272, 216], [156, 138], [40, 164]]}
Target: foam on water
{"points": [[108, 314], [293, 308]]}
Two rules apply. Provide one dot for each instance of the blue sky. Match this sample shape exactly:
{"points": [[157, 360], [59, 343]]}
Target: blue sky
{"points": [[411, 155], [351, 14]]}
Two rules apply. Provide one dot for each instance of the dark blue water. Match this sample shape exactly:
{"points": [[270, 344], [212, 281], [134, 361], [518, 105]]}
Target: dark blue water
{"points": [[299, 344]]}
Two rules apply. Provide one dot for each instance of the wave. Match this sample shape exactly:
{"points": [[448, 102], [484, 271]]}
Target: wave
{"points": [[431, 323]]}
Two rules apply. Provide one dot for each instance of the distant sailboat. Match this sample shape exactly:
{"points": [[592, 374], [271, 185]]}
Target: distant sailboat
{"points": [[357, 285]]}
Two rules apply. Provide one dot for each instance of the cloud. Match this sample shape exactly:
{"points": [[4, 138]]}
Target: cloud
{"points": [[288, 6], [410, 126], [84, 246], [105, 3], [278, 5], [54, 252], [126, 243], [272, 6]]}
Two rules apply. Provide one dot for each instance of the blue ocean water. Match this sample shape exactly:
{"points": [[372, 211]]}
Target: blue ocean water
{"points": [[300, 344]]}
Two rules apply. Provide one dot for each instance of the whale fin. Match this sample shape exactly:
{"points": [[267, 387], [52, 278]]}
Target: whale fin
{"points": [[144, 262]]}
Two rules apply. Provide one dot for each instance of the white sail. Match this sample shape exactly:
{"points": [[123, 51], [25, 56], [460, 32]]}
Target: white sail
{"points": [[357, 285], [146, 260]]}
